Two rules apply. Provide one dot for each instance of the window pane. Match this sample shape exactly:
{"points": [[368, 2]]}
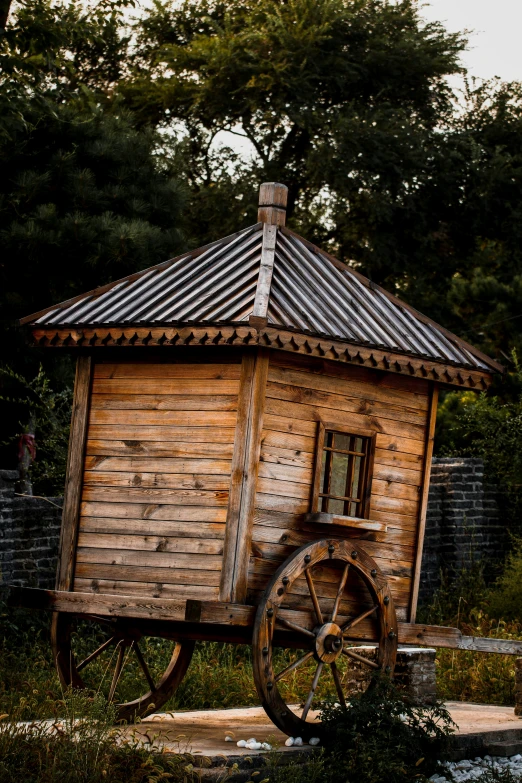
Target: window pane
{"points": [[335, 506], [342, 441], [343, 476], [338, 476]]}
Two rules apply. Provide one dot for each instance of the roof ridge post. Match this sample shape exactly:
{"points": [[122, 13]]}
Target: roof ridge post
{"points": [[273, 198], [272, 213]]}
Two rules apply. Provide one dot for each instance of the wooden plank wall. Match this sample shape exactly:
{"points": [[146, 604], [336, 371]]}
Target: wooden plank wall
{"points": [[156, 479], [300, 393]]}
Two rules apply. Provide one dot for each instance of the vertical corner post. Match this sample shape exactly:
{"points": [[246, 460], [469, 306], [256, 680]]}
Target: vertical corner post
{"points": [[74, 476], [423, 506], [245, 464]]}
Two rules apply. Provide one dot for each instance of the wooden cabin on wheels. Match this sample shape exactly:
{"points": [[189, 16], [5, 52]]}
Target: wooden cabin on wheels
{"points": [[249, 462]]}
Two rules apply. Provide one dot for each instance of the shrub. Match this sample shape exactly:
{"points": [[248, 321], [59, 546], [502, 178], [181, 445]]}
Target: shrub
{"points": [[385, 737]]}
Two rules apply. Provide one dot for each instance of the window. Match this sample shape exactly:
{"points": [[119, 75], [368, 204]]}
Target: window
{"points": [[343, 471]]}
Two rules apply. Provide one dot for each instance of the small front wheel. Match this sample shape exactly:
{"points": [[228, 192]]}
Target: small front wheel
{"points": [[136, 672], [319, 595]]}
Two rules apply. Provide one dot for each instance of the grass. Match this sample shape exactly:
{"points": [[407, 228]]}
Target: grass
{"points": [[81, 747], [479, 677], [464, 602]]}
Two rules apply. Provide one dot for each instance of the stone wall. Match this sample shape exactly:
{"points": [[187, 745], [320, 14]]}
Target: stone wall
{"points": [[463, 524], [29, 535]]}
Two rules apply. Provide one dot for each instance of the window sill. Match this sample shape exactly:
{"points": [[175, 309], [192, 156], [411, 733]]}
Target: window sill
{"points": [[321, 518]]}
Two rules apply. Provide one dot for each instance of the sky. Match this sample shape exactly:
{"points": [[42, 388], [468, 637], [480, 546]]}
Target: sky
{"points": [[495, 42]]}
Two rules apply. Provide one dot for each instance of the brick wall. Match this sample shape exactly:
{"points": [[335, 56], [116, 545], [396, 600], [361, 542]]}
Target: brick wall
{"points": [[463, 524], [29, 534]]}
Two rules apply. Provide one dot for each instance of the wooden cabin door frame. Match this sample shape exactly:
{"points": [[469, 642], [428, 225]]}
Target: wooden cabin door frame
{"points": [[245, 464]]}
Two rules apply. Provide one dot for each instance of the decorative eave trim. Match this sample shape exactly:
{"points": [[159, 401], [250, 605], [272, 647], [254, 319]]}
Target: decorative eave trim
{"points": [[277, 339]]}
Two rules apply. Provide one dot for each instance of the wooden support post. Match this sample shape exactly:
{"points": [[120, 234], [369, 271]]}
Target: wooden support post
{"points": [[423, 507], [245, 463], [74, 477]]}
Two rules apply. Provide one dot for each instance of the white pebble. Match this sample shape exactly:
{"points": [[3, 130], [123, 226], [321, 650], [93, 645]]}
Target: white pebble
{"points": [[252, 739], [289, 742], [518, 757], [266, 746], [298, 741], [314, 741], [228, 738], [241, 744]]}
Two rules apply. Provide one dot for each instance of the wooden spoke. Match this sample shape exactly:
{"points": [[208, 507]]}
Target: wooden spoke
{"points": [[338, 684], [360, 658], [342, 585], [310, 697], [293, 666], [95, 654], [117, 671], [352, 623], [295, 627], [313, 595], [144, 666]]}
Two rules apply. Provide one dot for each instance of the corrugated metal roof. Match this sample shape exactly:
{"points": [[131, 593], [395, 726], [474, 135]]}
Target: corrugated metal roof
{"points": [[310, 293]]}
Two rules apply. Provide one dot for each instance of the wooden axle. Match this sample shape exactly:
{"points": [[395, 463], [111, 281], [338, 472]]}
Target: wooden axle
{"points": [[235, 616]]}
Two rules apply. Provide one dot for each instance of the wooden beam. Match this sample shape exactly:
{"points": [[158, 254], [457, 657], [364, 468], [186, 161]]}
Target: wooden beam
{"points": [[210, 613], [423, 506], [74, 475], [264, 282], [245, 464], [99, 604]]}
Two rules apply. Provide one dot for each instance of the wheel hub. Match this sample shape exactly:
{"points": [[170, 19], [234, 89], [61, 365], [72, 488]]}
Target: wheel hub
{"points": [[328, 642]]}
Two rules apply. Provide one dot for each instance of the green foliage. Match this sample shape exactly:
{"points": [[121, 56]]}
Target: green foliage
{"points": [[504, 600], [86, 197], [347, 102], [337, 99], [50, 412], [383, 736], [458, 598], [465, 601], [488, 426]]}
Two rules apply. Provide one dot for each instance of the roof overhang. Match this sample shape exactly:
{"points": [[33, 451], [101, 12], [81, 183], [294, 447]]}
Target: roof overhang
{"points": [[242, 335]]}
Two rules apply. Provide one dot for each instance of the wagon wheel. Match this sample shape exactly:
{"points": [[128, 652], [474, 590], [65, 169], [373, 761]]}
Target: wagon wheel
{"points": [[321, 627], [98, 660]]}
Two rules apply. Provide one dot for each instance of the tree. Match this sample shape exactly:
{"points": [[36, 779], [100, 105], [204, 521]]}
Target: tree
{"points": [[340, 99], [347, 102], [85, 196]]}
